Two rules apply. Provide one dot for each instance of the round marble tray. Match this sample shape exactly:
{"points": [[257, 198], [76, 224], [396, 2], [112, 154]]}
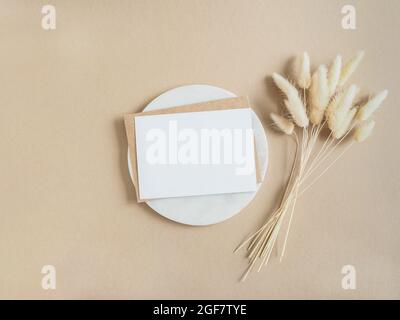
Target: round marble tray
{"points": [[209, 209]]}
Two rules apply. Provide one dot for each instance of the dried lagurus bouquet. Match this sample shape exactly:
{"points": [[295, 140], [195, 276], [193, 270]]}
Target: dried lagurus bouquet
{"points": [[313, 103]]}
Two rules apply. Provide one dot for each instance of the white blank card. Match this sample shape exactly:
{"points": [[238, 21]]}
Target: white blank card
{"points": [[195, 153]]}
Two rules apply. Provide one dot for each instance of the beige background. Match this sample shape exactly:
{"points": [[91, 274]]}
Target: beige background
{"points": [[66, 198]]}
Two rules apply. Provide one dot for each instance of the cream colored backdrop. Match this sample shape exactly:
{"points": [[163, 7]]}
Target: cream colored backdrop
{"points": [[66, 198]]}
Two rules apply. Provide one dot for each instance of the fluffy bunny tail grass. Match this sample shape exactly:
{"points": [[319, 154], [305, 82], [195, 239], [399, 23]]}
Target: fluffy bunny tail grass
{"points": [[282, 83], [364, 131], [302, 71], [297, 110], [283, 124], [348, 98], [319, 93], [293, 103], [334, 74], [350, 67], [339, 108], [372, 105], [316, 115], [345, 125], [331, 112]]}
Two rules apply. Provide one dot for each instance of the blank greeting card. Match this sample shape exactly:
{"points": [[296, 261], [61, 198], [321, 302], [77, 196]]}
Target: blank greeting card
{"points": [[191, 150], [195, 153]]}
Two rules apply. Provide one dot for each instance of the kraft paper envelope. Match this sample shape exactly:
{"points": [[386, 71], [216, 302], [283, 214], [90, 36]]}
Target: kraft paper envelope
{"points": [[222, 104]]}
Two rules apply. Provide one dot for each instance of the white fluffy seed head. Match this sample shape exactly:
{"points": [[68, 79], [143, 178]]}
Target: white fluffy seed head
{"points": [[339, 108], [282, 83], [364, 131], [302, 72], [293, 103], [316, 115], [372, 105], [319, 93], [350, 67], [297, 111], [331, 112], [334, 74], [345, 125], [348, 98], [283, 124]]}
